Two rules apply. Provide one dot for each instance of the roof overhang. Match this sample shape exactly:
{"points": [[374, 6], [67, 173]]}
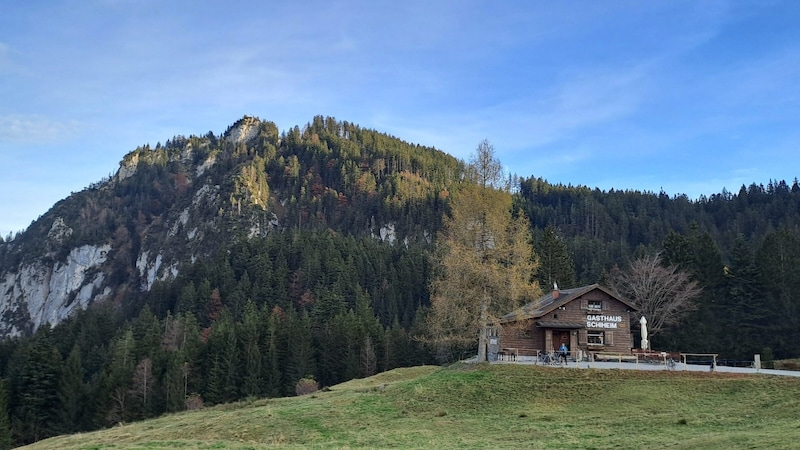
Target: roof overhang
{"points": [[552, 301]]}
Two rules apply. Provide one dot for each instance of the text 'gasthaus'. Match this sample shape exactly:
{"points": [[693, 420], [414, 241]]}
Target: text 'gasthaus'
{"points": [[599, 321]]}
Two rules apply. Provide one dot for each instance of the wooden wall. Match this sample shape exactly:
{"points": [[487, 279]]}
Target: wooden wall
{"points": [[528, 338]]}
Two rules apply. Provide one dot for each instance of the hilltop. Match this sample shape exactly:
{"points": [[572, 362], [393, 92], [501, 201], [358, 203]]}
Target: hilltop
{"points": [[500, 406]]}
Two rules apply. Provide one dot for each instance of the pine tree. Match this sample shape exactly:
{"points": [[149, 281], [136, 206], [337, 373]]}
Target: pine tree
{"points": [[300, 355], [778, 259], [173, 385], [187, 302], [251, 350], [118, 376], [72, 393], [697, 254], [555, 264], [742, 312], [222, 361], [6, 438], [35, 388], [275, 354], [214, 388]]}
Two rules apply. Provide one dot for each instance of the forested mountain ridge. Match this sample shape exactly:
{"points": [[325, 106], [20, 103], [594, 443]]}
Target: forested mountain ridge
{"points": [[213, 268], [170, 205], [604, 228]]}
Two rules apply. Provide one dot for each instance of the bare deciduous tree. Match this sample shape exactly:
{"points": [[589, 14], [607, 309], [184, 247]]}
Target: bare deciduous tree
{"points": [[484, 168], [143, 380], [662, 294], [369, 361]]}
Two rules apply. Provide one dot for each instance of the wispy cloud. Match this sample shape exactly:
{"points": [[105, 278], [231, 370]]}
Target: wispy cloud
{"points": [[523, 127], [35, 129]]}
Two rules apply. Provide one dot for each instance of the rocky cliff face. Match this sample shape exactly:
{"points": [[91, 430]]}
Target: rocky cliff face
{"points": [[47, 288], [40, 293], [167, 207]]}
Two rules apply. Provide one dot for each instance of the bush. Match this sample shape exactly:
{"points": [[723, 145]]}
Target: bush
{"points": [[307, 385], [194, 402], [787, 364]]}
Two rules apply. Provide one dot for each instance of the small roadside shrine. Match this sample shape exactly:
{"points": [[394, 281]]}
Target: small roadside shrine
{"points": [[585, 319]]}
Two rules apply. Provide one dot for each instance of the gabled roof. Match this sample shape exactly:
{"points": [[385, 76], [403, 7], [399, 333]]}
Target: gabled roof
{"points": [[547, 303]]}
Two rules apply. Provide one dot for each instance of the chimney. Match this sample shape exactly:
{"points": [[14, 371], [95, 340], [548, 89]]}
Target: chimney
{"points": [[555, 290]]}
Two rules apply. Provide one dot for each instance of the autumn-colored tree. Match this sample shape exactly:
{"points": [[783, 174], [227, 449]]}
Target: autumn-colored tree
{"points": [[214, 305], [486, 261]]}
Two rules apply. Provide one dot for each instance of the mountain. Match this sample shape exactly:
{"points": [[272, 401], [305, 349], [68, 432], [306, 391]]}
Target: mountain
{"points": [[171, 212], [170, 206], [185, 201]]}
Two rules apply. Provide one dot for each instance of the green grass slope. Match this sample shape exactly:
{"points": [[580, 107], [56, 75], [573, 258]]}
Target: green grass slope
{"points": [[501, 406]]}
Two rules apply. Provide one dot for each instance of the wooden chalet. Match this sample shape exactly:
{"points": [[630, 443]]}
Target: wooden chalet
{"points": [[586, 319]]}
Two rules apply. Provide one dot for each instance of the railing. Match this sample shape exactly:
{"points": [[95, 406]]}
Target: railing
{"points": [[534, 355], [667, 359], [508, 354], [531, 354]]}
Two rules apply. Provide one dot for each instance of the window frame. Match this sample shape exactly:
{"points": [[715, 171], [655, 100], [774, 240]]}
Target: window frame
{"points": [[598, 336], [594, 305]]}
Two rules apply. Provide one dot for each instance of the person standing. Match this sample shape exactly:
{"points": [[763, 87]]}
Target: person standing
{"points": [[563, 351]]}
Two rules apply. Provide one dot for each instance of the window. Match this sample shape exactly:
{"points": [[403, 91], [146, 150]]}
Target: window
{"points": [[595, 305], [595, 337]]}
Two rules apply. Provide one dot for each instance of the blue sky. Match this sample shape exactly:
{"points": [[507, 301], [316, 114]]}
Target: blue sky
{"points": [[685, 96]]}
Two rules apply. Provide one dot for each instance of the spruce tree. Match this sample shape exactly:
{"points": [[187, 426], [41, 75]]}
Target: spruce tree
{"points": [[555, 263], [72, 393], [250, 338], [275, 354], [742, 311], [778, 259], [35, 388], [300, 355], [6, 438]]}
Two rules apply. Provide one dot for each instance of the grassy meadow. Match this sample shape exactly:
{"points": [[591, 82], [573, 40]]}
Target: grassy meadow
{"points": [[489, 406]]}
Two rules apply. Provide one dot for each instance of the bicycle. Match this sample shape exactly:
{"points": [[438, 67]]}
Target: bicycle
{"points": [[551, 359]]}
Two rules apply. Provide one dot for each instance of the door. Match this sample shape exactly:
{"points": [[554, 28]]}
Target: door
{"points": [[561, 337]]}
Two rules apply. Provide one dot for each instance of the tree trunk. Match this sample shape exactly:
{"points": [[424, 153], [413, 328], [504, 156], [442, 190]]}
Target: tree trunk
{"points": [[482, 334]]}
